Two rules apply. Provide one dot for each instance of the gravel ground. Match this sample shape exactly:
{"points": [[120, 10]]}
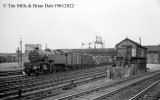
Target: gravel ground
{"points": [[91, 85], [83, 87], [153, 66], [153, 94], [130, 92]]}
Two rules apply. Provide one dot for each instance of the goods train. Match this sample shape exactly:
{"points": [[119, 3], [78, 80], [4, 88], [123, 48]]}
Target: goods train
{"points": [[48, 61]]}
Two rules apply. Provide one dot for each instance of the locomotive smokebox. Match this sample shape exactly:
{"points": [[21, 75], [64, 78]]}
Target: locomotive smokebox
{"points": [[36, 55]]}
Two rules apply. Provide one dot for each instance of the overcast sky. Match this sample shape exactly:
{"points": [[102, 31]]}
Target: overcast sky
{"points": [[62, 28]]}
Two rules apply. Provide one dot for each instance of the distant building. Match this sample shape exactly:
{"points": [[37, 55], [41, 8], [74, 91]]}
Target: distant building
{"points": [[29, 47], [153, 56], [153, 48], [8, 57]]}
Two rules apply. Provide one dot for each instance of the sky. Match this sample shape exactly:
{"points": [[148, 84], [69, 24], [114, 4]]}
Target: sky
{"points": [[67, 28]]}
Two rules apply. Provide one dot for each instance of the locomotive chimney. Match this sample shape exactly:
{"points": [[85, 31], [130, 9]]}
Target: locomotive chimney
{"points": [[36, 48]]}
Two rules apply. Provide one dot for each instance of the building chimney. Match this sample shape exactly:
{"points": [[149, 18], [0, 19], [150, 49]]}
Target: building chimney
{"points": [[140, 40]]}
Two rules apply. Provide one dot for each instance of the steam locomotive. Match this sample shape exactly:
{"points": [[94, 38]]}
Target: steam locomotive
{"points": [[49, 61]]}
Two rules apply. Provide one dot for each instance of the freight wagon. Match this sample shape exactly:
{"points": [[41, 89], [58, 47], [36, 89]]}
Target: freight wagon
{"points": [[102, 60]]}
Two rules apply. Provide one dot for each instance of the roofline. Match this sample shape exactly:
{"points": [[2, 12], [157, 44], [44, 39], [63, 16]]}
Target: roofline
{"points": [[131, 41], [151, 45]]}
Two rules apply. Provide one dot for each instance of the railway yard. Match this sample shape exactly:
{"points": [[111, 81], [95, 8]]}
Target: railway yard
{"points": [[66, 75], [83, 84], [96, 50], [110, 91], [48, 83]]}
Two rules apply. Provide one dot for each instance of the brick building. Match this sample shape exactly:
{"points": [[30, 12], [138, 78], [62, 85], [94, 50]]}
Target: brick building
{"points": [[29, 47]]}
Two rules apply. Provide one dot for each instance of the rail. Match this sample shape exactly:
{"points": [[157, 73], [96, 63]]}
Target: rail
{"points": [[105, 86], [144, 91]]}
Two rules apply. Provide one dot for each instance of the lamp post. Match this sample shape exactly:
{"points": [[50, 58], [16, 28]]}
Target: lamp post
{"points": [[18, 55], [21, 52]]}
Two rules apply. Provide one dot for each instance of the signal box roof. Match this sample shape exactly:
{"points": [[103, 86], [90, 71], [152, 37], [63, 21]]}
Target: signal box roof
{"points": [[127, 39]]}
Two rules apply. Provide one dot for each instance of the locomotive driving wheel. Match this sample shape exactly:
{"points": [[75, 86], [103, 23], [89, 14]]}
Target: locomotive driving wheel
{"points": [[27, 71]]}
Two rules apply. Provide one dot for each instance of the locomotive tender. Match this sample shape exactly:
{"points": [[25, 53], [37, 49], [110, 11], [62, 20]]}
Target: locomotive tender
{"points": [[48, 61]]}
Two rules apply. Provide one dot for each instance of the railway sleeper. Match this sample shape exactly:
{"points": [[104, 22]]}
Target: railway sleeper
{"points": [[69, 87], [65, 86], [29, 85], [15, 92]]}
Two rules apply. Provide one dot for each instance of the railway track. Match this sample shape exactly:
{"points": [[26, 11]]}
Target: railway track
{"points": [[10, 91], [18, 78], [40, 94], [28, 86], [10, 73], [24, 79], [152, 92], [104, 91]]}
